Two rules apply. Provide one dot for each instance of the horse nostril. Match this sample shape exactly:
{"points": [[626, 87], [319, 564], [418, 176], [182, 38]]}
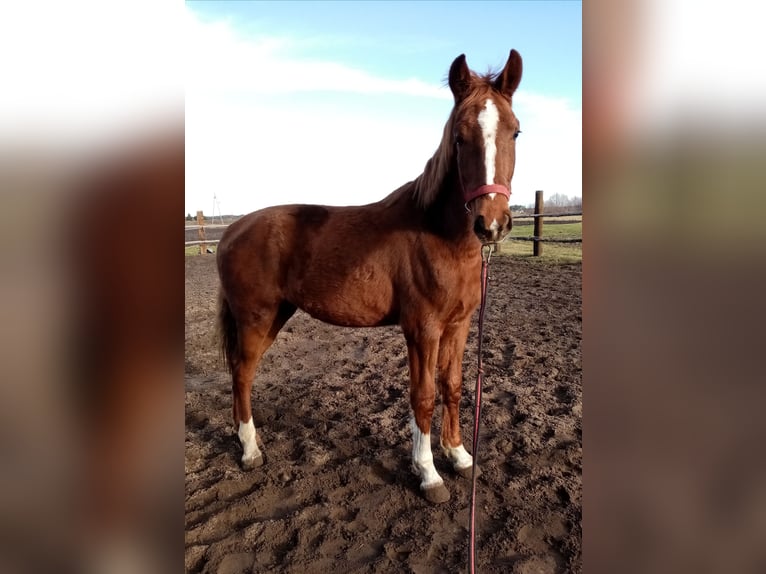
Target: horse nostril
{"points": [[479, 226], [508, 221]]}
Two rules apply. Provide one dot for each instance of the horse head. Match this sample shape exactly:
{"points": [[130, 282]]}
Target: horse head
{"points": [[484, 132]]}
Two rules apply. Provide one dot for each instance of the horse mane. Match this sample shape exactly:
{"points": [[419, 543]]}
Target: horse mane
{"points": [[428, 185]]}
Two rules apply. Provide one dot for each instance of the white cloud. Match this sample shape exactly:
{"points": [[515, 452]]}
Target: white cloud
{"points": [[251, 156], [222, 60]]}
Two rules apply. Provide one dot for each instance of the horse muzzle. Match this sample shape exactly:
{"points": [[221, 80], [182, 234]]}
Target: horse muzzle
{"points": [[494, 230], [492, 220]]}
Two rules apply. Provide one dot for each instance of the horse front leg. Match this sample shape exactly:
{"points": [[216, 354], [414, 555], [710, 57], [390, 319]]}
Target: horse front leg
{"points": [[423, 349], [450, 376]]}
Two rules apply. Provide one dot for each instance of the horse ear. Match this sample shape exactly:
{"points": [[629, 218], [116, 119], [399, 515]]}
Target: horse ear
{"points": [[459, 78], [508, 80]]}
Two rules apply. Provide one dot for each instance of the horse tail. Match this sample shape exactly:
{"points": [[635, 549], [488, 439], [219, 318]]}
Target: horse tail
{"points": [[227, 333]]}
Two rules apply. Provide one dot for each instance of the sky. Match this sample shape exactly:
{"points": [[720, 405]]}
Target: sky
{"points": [[340, 103]]}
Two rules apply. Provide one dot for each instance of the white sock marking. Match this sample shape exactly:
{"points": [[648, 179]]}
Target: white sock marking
{"points": [[422, 458], [246, 435], [457, 455], [488, 120]]}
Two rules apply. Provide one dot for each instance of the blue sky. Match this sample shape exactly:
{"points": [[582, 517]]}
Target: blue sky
{"points": [[342, 102]]}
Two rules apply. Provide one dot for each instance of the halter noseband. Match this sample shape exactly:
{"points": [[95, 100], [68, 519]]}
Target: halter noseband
{"points": [[484, 190]]}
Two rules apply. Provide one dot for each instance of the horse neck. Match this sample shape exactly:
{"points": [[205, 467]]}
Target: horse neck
{"points": [[434, 201], [447, 215], [438, 193]]}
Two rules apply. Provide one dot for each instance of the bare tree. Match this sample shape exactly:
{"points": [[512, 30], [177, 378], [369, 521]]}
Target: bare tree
{"points": [[559, 203]]}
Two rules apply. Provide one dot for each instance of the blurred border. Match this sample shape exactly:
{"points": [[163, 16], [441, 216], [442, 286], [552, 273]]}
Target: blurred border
{"points": [[673, 288], [91, 295]]}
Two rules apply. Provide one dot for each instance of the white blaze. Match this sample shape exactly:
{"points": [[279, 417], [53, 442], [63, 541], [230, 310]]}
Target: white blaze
{"points": [[488, 120]]}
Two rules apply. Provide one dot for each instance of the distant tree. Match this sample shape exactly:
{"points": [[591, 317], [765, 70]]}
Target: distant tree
{"points": [[189, 217], [559, 202]]}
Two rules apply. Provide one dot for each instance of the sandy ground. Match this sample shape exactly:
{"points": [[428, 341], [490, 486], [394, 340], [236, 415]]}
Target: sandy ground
{"points": [[331, 408]]}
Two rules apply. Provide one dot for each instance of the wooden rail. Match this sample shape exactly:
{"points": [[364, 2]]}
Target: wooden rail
{"points": [[548, 239], [537, 239], [573, 213], [211, 226]]}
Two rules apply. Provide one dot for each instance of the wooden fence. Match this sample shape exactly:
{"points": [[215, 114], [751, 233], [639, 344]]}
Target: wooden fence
{"points": [[537, 238], [202, 240]]}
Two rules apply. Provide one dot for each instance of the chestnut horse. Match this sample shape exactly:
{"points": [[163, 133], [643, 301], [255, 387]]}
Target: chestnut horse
{"points": [[411, 259]]}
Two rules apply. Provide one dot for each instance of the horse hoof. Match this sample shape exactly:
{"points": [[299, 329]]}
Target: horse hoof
{"points": [[251, 463], [436, 494], [467, 472]]}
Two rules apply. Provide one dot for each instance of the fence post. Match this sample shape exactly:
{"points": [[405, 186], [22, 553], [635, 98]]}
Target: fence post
{"points": [[537, 246], [201, 231]]}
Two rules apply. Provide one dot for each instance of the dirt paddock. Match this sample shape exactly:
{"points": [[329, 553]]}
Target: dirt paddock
{"points": [[331, 407]]}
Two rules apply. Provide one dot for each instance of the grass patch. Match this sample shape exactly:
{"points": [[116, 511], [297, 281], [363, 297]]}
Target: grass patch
{"points": [[190, 250], [555, 230], [552, 252], [527, 219]]}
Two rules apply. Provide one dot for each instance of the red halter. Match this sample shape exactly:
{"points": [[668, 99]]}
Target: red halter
{"points": [[485, 189]]}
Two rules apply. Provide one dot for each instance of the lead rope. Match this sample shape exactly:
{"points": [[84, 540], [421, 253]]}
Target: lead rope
{"points": [[486, 254]]}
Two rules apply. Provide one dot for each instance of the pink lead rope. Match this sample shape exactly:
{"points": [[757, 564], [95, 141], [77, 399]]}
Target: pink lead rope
{"points": [[486, 253]]}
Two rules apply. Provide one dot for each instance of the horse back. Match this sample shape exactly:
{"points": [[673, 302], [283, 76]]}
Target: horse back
{"points": [[335, 263]]}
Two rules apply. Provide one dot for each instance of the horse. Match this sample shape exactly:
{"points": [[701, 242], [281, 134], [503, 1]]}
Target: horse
{"points": [[415, 262]]}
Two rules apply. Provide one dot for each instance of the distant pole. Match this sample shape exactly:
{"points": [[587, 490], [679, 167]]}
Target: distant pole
{"points": [[216, 205], [201, 231], [537, 245]]}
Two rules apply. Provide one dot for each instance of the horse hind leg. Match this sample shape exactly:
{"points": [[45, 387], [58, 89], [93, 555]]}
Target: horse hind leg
{"points": [[254, 339]]}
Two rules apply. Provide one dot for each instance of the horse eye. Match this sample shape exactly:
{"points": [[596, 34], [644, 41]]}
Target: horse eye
{"points": [[516, 134]]}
